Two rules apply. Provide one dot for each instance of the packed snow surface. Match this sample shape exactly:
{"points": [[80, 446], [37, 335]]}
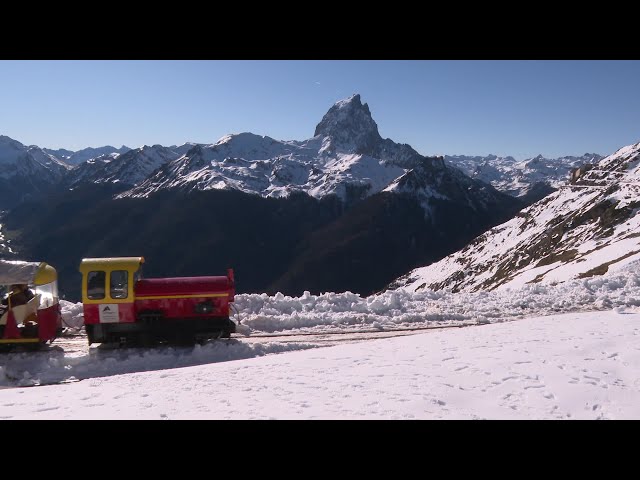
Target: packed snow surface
{"points": [[560, 352]]}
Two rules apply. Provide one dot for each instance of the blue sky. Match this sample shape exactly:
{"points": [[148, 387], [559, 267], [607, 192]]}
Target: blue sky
{"points": [[519, 108]]}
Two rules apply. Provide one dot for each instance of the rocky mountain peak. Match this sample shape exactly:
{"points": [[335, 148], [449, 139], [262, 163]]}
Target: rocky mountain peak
{"points": [[349, 125]]}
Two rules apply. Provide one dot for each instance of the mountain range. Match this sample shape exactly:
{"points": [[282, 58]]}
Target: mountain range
{"points": [[520, 178], [342, 210], [346, 157], [80, 156]]}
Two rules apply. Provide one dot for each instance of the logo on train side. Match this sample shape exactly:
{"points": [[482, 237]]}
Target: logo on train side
{"points": [[109, 313]]}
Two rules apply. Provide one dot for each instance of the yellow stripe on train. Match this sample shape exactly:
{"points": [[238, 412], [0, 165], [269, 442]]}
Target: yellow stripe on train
{"points": [[19, 340]]}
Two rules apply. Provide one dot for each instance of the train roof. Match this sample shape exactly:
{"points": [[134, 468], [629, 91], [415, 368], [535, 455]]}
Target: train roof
{"points": [[31, 273], [111, 263]]}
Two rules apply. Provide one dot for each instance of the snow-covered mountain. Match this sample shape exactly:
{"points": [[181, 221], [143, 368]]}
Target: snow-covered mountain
{"points": [[127, 168], [586, 228], [26, 171], [184, 148], [61, 153], [18, 159], [346, 157], [518, 178], [76, 158]]}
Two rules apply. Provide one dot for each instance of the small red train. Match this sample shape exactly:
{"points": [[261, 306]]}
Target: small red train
{"points": [[120, 306]]}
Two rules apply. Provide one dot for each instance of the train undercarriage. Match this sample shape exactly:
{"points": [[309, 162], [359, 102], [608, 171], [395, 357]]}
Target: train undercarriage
{"points": [[151, 331]]}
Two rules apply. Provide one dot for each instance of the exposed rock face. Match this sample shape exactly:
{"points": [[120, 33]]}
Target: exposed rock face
{"points": [[349, 126]]}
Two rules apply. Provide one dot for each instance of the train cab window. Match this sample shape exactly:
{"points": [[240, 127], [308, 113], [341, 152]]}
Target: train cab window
{"points": [[96, 285], [119, 284]]}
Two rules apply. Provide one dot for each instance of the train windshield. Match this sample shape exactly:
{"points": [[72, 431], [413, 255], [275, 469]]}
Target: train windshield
{"points": [[48, 294]]}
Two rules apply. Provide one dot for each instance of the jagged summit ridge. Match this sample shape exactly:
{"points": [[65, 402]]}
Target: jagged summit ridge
{"points": [[349, 125]]}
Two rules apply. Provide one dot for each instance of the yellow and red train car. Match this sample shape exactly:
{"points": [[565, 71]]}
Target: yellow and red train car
{"points": [[38, 319], [120, 306]]}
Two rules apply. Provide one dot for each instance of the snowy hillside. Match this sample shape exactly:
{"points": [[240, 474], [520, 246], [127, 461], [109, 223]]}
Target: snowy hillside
{"points": [[586, 228], [518, 177]]}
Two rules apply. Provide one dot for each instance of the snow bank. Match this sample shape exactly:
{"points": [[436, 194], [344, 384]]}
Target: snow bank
{"points": [[50, 367], [72, 315], [619, 289], [399, 308]]}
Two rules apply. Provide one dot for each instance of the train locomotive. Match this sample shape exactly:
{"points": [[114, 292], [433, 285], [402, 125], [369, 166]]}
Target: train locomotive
{"points": [[120, 306]]}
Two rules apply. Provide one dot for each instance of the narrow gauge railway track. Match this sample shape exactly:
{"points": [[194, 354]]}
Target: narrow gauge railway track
{"points": [[77, 344]]}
